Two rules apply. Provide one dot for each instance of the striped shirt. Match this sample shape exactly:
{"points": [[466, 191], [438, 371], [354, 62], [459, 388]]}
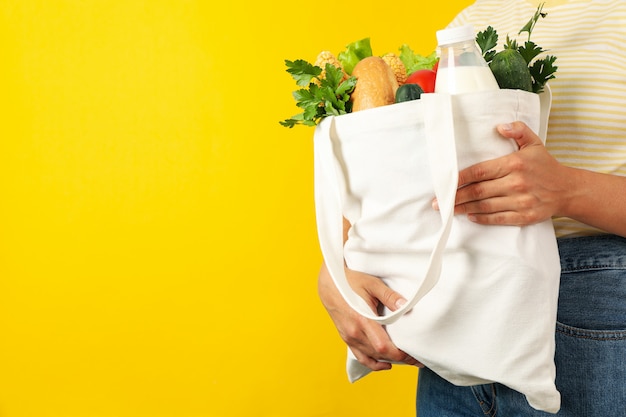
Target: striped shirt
{"points": [[587, 125]]}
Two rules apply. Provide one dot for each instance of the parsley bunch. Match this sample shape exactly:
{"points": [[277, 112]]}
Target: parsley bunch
{"points": [[322, 96], [541, 70]]}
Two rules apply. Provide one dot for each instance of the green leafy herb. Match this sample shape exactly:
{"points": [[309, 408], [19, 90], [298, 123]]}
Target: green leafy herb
{"points": [[328, 96], [302, 71], [528, 27], [414, 62], [487, 40], [541, 69], [530, 51]]}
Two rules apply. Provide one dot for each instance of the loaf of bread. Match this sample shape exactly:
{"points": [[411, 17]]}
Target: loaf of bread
{"points": [[376, 84]]}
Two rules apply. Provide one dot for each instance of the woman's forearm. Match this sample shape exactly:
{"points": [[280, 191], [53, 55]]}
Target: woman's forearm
{"points": [[596, 199]]}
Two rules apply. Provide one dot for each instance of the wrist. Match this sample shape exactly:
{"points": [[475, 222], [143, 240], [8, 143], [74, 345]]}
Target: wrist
{"points": [[574, 188]]}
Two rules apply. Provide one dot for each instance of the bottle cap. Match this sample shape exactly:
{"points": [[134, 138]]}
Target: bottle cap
{"points": [[454, 35]]}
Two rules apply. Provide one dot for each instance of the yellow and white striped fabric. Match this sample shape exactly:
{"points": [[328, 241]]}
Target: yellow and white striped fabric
{"points": [[587, 126]]}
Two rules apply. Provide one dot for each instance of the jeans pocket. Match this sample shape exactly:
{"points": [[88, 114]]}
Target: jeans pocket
{"points": [[590, 371], [590, 334]]}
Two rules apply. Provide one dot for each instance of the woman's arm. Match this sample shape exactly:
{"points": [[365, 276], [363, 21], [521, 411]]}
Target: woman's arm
{"points": [[530, 186], [367, 339]]}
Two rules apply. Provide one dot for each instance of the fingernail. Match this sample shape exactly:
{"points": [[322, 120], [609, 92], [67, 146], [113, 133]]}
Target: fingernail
{"points": [[471, 217], [400, 302], [507, 127], [435, 204]]}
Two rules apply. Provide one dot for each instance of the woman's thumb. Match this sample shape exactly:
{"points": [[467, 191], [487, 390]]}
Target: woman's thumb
{"points": [[388, 297], [519, 132]]}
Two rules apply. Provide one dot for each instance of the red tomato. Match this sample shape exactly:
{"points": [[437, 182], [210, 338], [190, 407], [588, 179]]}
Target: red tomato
{"points": [[425, 78]]}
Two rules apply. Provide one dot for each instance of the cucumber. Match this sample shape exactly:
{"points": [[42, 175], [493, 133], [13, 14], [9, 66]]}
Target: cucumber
{"points": [[408, 92], [511, 70]]}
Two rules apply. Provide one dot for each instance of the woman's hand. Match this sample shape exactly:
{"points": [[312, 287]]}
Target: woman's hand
{"points": [[522, 188], [530, 186], [367, 339]]}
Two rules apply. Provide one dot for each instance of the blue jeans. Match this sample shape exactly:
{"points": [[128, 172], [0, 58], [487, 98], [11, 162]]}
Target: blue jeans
{"points": [[590, 344]]}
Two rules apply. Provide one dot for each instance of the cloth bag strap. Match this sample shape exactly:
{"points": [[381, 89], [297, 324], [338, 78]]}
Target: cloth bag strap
{"points": [[440, 137]]}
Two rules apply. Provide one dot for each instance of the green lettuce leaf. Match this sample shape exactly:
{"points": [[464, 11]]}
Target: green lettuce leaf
{"points": [[354, 52], [414, 62]]}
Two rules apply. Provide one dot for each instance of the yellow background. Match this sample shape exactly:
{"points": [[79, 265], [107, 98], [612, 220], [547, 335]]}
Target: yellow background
{"points": [[158, 252]]}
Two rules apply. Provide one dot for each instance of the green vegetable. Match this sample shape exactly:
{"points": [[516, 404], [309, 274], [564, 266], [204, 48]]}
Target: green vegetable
{"points": [[511, 70], [414, 62], [354, 52], [487, 40], [541, 70], [326, 91], [328, 96], [408, 92]]}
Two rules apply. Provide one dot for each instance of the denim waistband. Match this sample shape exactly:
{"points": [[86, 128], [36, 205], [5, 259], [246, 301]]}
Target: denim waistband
{"points": [[592, 252]]}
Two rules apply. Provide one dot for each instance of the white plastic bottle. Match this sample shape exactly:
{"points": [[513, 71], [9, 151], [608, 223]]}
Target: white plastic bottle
{"points": [[462, 68]]}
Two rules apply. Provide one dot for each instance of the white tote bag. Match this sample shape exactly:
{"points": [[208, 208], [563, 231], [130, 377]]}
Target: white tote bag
{"points": [[481, 299]]}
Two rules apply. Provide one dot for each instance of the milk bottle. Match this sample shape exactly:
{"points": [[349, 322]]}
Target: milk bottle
{"points": [[462, 68]]}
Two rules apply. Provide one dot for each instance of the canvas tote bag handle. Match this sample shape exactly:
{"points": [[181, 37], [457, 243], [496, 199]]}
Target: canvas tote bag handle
{"points": [[439, 129]]}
